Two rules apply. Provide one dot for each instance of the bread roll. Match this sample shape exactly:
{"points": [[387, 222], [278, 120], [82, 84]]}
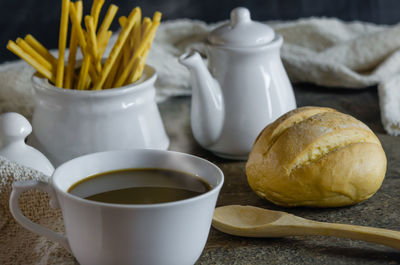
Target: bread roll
{"points": [[316, 157]]}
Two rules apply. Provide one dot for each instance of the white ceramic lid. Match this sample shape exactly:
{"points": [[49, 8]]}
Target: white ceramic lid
{"points": [[14, 128], [241, 31]]}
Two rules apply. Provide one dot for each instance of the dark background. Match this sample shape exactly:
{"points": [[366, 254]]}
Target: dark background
{"points": [[41, 17]]}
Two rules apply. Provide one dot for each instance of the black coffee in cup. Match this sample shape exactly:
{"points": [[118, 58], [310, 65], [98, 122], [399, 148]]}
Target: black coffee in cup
{"points": [[140, 186]]}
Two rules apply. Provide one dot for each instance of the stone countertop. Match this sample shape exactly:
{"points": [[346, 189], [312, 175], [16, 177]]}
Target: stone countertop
{"points": [[382, 210]]}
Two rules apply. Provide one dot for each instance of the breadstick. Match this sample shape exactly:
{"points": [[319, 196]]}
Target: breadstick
{"points": [[143, 45], [150, 34], [136, 40], [139, 67], [35, 44], [125, 48], [92, 42], [73, 46], [137, 72], [62, 42], [92, 71], [135, 31], [157, 17], [91, 34], [132, 38], [13, 47], [103, 43], [35, 55], [83, 74], [77, 25], [112, 10], [126, 60], [132, 20], [127, 69], [122, 21], [87, 84], [136, 37], [130, 64], [109, 83], [81, 36], [110, 79], [145, 26], [100, 39], [149, 25], [155, 23], [95, 12]]}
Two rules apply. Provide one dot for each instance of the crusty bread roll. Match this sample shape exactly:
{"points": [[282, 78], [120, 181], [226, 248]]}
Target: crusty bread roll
{"points": [[316, 157]]}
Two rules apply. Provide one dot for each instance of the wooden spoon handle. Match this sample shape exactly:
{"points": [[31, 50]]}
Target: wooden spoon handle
{"points": [[376, 235]]}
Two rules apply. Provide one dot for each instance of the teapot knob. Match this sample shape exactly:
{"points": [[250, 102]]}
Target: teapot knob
{"points": [[14, 128], [240, 15]]}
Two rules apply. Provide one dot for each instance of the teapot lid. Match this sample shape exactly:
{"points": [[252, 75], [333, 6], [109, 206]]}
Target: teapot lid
{"points": [[241, 31]]}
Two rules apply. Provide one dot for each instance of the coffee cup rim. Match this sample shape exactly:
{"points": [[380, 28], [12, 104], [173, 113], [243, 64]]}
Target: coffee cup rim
{"points": [[213, 190]]}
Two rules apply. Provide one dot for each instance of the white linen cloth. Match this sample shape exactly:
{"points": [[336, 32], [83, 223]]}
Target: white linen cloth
{"points": [[323, 51]]}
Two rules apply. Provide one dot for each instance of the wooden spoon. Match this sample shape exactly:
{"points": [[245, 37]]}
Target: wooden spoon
{"points": [[251, 221]]}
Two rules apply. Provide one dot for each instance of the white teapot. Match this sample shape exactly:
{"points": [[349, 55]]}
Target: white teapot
{"points": [[244, 88]]}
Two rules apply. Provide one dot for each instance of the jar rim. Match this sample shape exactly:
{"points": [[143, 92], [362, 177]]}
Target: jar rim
{"points": [[146, 81]]}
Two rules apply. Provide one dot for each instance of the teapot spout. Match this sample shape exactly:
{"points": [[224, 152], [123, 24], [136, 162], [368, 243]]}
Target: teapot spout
{"points": [[207, 107]]}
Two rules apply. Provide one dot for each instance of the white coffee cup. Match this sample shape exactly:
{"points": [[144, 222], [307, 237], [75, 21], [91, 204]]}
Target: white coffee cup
{"points": [[103, 233]]}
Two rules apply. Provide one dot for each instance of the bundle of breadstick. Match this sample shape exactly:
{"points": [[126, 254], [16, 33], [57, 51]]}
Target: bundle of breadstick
{"points": [[124, 65]]}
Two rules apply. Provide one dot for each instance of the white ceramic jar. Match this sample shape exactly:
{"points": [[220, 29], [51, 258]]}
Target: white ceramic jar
{"points": [[69, 123]]}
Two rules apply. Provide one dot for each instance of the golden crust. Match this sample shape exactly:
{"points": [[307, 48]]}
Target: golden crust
{"points": [[316, 157]]}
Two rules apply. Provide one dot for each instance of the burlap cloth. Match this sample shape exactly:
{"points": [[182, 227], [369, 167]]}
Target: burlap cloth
{"points": [[323, 51], [17, 245]]}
